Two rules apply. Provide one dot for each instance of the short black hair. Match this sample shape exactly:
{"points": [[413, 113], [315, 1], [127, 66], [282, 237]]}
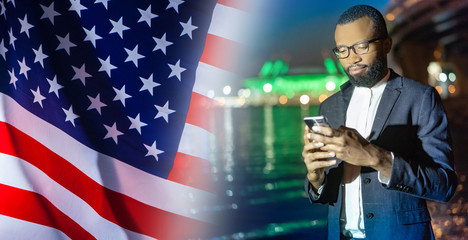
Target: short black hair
{"points": [[359, 11]]}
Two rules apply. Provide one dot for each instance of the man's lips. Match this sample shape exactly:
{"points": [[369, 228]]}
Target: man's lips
{"points": [[356, 70]]}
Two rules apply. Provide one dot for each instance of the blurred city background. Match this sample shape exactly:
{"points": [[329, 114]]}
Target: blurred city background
{"points": [[287, 71]]}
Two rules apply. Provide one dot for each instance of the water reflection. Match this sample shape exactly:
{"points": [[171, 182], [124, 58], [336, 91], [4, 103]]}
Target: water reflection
{"points": [[268, 140], [262, 175]]}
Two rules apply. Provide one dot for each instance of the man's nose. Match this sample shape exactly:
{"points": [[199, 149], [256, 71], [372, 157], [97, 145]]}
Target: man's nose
{"points": [[353, 57]]}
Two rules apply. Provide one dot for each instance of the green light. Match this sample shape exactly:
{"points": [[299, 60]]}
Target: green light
{"points": [[330, 66], [274, 68], [341, 69], [277, 67], [284, 69], [266, 69], [313, 85]]}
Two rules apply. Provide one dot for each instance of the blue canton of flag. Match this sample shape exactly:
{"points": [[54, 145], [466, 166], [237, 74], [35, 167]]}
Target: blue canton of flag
{"points": [[115, 75]]}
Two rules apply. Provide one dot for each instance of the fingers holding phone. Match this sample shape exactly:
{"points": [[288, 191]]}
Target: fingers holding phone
{"points": [[315, 159]]}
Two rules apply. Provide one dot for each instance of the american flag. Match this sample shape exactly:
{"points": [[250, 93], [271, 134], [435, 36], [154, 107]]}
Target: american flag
{"points": [[103, 116]]}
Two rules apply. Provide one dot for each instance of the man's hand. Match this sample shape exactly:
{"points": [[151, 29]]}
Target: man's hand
{"points": [[316, 160], [348, 145]]}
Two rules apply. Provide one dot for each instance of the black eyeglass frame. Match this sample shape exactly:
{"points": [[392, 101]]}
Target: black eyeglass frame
{"points": [[335, 50]]}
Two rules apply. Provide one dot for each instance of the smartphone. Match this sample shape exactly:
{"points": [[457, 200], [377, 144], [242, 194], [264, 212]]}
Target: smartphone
{"points": [[323, 122], [316, 121]]}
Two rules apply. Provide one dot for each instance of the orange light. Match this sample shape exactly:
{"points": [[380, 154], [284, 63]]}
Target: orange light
{"points": [[452, 89], [322, 97], [437, 54], [390, 17], [283, 99], [439, 89]]}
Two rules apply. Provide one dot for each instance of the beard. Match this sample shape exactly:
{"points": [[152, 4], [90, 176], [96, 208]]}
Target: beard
{"points": [[371, 76]]}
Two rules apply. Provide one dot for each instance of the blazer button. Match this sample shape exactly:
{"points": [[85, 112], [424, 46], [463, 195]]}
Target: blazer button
{"points": [[369, 215], [367, 180]]}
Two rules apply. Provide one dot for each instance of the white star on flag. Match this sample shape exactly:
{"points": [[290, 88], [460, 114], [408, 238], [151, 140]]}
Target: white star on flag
{"points": [[40, 56], [118, 27], [176, 70], [65, 43], [112, 132], [104, 2], [54, 86], [161, 43], [153, 151], [136, 123], [13, 78], [164, 111], [80, 73], [77, 7], [12, 39], [120, 95], [24, 68], [37, 96], [106, 66], [96, 103], [148, 84], [187, 28], [146, 15], [174, 4], [2, 6], [133, 55], [70, 115], [91, 35], [25, 26], [13, 1], [49, 12], [3, 49]]}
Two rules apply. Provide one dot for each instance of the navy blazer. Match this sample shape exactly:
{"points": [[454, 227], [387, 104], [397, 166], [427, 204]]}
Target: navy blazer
{"points": [[410, 122]]}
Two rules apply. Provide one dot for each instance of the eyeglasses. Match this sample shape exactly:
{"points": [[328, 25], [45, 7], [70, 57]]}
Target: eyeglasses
{"points": [[359, 48]]}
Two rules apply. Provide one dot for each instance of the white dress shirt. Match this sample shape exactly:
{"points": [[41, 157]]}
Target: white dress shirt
{"points": [[360, 116]]}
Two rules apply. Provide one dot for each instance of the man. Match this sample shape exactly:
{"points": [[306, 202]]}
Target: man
{"points": [[388, 148]]}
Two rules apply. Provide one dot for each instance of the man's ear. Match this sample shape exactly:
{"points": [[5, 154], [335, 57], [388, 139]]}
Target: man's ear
{"points": [[387, 44]]}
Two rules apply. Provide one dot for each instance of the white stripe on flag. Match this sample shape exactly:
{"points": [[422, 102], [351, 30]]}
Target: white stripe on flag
{"points": [[194, 141], [229, 23], [12, 228], [212, 78]]}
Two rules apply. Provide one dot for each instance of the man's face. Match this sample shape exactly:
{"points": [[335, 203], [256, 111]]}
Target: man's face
{"points": [[367, 69]]}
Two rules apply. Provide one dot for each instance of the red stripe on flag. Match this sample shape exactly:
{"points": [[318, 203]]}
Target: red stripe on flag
{"points": [[33, 207], [113, 206], [200, 112], [221, 52], [192, 171], [239, 4]]}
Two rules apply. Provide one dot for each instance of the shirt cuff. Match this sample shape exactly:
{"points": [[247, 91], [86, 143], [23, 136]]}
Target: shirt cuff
{"points": [[382, 178], [315, 196]]}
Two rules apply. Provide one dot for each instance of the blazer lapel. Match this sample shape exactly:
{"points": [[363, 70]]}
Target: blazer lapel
{"points": [[389, 98], [346, 93]]}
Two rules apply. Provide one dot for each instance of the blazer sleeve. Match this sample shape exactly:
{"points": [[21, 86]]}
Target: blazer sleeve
{"points": [[429, 173], [329, 194]]}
